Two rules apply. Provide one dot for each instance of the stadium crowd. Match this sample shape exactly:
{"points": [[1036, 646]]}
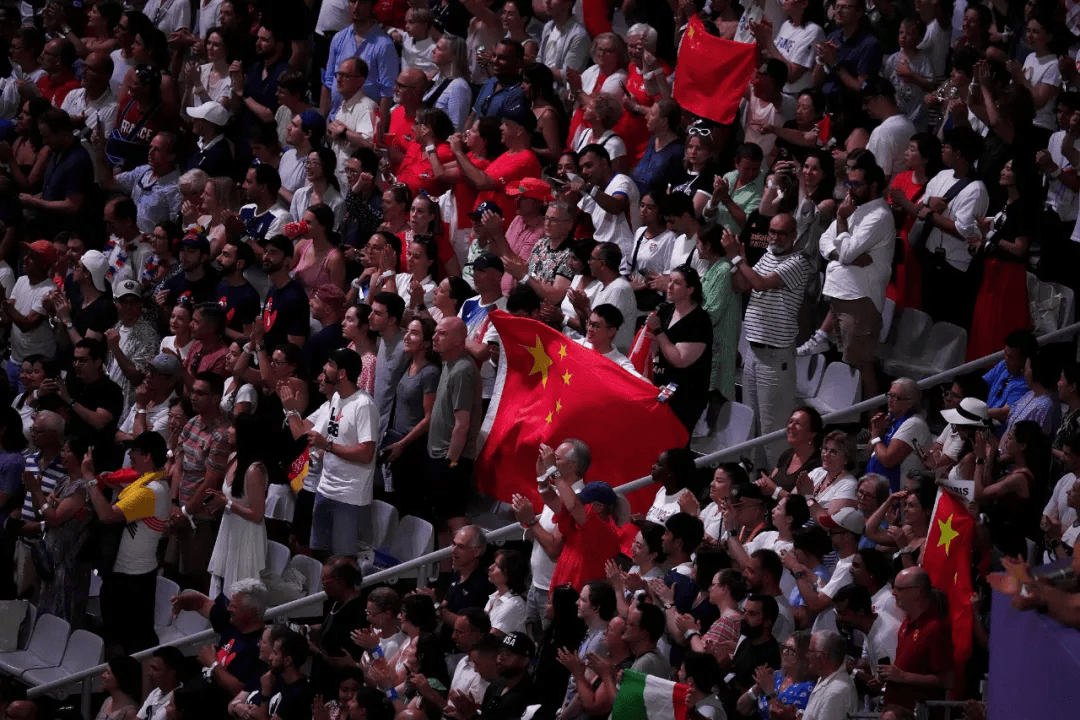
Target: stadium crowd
{"points": [[249, 251]]}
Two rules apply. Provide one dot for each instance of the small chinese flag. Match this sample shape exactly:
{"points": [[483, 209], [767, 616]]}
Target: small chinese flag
{"points": [[946, 558], [713, 73], [552, 388]]}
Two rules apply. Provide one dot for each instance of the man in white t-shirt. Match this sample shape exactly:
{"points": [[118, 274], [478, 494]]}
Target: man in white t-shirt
{"points": [[472, 632], [855, 614], [127, 593], [603, 326], [889, 140], [164, 671], [610, 199], [344, 495], [31, 333], [571, 460], [604, 264], [93, 105], [845, 528]]}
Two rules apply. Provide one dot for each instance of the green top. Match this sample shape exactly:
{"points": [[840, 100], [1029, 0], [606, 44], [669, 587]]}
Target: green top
{"points": [[723, 307]]}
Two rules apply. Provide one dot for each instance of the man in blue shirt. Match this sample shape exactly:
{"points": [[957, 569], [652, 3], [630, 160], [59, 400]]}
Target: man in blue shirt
{"points": [[1006, 379], [366, 40], [504, 89], [257, 91], [849, 55]]}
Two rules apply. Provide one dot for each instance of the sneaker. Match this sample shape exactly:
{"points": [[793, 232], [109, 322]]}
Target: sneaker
{"points": [[818, 343]]}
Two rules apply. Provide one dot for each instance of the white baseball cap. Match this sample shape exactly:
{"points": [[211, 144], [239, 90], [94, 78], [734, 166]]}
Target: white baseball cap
{"points": [[212, 111]]}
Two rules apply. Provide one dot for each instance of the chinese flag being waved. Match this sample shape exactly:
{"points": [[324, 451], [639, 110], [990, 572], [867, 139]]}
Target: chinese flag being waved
{"points": [[947, 560], [552, 388], [648, 697], [713, 73]]}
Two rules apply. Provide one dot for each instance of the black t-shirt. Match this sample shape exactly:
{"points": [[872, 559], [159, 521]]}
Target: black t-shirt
{"points": [[689, 398], [690, 183], [201, 290], [755, 237], [99, 316], [748, 658], [509, 705], [319, 346], [291, 701], [241, 303], [286, 313], [238, 652], [473, 591], [334, 640], [103, 394]]}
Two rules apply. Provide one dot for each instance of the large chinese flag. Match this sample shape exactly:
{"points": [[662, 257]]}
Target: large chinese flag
{"points": [[946, 558], [712, 73], [553, 388]]}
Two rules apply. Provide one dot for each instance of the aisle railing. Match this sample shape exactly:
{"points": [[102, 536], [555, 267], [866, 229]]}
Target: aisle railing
{"points": [[312, 604]]}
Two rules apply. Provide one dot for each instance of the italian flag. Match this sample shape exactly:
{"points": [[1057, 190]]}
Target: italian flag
{"points": [[648, 697]]}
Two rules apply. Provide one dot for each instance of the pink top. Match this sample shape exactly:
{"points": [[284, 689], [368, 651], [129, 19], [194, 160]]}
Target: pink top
{"points": [[521, 238], [311, 276]]}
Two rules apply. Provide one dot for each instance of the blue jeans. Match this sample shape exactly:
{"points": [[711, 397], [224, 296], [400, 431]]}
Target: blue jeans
{"points": [[335, 526]]}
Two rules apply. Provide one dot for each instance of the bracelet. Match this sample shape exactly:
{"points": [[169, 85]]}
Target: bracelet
{"points": [[980, 461], [140, 411], [669, 605], [228, 503], [798, 575], [191, 521], [391, 694], [776, 493], [92, 482], [429, 148], [736, 260], [874, 441], [377, 652], [291, 414], [691, 633]]}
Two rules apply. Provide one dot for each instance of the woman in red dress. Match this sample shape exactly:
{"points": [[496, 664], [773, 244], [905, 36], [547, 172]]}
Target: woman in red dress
{"points": [[1002, 303], [923, 158]]}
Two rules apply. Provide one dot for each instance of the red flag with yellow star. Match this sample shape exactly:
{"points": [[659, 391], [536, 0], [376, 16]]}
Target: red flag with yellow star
{"points": [[551, 388], [947, 559]]}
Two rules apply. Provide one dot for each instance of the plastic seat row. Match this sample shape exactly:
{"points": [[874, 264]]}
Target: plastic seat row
{"points": [[53, 652]]}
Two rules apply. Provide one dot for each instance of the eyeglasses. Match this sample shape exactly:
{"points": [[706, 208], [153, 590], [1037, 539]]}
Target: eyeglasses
{"points": [[831, 452], [786, 650], [894, 396], [699, 131]]}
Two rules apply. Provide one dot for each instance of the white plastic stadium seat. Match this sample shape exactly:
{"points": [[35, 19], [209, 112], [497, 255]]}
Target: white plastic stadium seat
{"points": [[909, 341], [188, 622], [945, 347], [734, 425], [414, 537], [277, 557], [84, 651], [163, 595], [45, 649], [840, 389], [311, 569], [809, 371], [384, 522], [888, 314]]}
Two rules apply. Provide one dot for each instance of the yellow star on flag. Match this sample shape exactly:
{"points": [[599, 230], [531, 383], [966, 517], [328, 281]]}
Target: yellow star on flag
{"points": [[566, 377], [558, 406], [548, 418], [947, 534], [541, 361], [562, 352]]}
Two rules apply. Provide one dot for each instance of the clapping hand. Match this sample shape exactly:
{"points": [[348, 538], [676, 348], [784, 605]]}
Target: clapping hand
{"points": [[570, 661], [365, 638], [523, 509], [689, 504], [661, 591], [763, 676]]}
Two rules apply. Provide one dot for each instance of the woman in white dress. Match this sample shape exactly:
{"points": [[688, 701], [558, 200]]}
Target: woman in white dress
{"points": [[506, 606], [240, 550]]}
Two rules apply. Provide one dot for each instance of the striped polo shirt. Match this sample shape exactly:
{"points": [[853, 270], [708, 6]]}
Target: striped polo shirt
{"points": [[51, 476], [772, 316]]}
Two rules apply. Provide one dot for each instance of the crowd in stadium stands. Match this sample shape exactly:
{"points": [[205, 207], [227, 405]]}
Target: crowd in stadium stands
{"points": [[249, 251]]}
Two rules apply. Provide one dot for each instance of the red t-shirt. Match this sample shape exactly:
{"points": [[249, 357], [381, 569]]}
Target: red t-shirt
{"points": [[585, 550], [505, 170], [401, 127], [56, 92], [415, 170], [465, 194], [924, 647]]}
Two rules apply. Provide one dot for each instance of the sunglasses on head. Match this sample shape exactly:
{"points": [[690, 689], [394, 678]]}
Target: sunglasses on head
{"points": [[699, 131]]}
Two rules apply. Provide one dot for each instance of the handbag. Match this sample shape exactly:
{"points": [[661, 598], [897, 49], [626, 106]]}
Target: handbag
{"points": [[920, 230]]}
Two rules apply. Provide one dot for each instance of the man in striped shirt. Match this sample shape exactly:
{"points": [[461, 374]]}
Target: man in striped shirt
{"points": [[775, 284], [47, 434]]}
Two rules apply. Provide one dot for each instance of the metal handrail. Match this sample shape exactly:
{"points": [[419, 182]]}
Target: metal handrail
{"points": [[316, 600]]}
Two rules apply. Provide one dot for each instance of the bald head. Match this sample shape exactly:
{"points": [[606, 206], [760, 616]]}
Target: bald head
{"points": [[410, 87], [912, 590], [782, 232], [22, 710], [450, 337]]}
